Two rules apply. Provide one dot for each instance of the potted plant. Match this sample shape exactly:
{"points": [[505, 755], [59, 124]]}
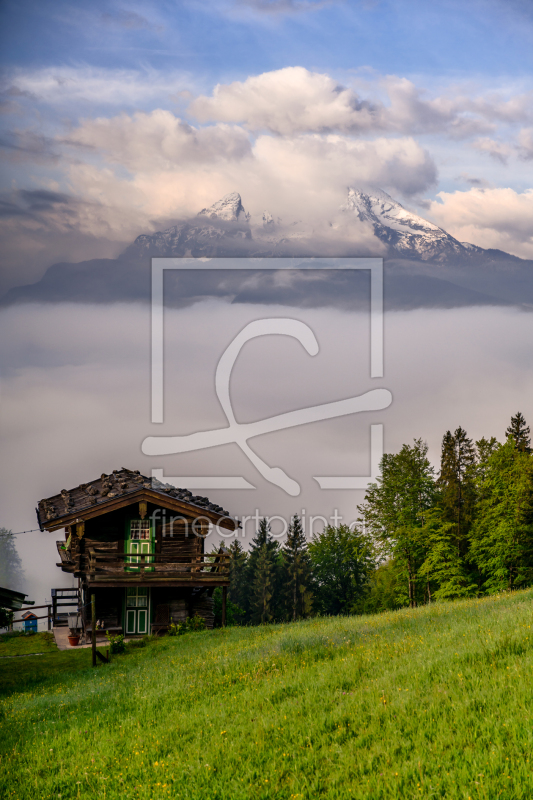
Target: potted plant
{"points": [[73, 638]]}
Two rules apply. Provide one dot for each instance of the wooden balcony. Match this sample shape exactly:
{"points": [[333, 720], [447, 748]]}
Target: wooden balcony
{"points": [[104, 567]]}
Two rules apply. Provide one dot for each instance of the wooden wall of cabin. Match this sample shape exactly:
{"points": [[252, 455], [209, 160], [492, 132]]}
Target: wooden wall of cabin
{"points": [[109, 605], [184, 603], [175, 535]]}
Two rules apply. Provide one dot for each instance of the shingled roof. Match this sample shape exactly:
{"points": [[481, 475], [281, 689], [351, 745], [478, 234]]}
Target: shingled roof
{"points": [[119, 483]]}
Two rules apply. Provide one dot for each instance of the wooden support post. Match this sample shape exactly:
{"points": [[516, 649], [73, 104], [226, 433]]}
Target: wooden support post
{"points": [[49, 618], [54, 609], [224, 599], [93, 631]]}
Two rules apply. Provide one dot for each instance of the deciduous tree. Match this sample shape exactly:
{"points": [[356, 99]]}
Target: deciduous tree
{"points": [[395, 507], [502, 536], [342, 560]]}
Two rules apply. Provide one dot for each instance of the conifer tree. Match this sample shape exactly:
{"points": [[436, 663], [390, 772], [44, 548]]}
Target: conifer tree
{"points": [[297, 572], [11, 571], [447, 563], [456, 484], [484, 449], [263, 586], [520, 433], [237, 592], [272, 555]]}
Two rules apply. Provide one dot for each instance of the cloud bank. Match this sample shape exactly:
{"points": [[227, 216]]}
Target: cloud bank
{"points": [[87, 393], [289, 140], [501, 218]]}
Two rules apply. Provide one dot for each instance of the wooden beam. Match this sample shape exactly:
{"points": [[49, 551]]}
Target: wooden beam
{"points": [[193, 584]]}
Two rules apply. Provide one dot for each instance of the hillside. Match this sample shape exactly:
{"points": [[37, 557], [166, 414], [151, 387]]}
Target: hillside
{"points": [[430, 703]]}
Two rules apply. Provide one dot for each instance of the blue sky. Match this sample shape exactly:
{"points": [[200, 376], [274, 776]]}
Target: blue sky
{"points": [[223, 40], [135, 114]]}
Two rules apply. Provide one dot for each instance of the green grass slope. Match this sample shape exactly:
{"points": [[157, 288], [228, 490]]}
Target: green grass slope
{"points": [[26, 644], [430, 703]]}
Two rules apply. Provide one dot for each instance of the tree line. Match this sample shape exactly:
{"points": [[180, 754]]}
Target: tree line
{"points": [[464, 531]]}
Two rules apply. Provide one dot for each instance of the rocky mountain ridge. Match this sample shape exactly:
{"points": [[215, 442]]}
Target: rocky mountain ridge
{"points": [[225, 228], [424, 266], [407, 234]]}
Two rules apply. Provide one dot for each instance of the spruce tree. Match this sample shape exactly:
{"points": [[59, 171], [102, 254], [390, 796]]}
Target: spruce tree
{"points": [[272, 554], [11, 571], [263, 586], [296, 573], [520, 433], [456, 484], [484, 449], [237, 592]]}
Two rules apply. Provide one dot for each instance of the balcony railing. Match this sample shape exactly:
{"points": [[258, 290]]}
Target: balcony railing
{"points": [[103, 563]]}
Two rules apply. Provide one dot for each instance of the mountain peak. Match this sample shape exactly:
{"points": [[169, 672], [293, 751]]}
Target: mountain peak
{"points": [[228, 209], [223, 230], [405, 232]]}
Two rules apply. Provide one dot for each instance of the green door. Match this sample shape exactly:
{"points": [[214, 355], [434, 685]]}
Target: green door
{"points": [[137, 610], [140, 541]]}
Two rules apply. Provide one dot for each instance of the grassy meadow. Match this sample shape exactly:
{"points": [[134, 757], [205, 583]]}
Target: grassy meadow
{"points": [[435, 702], [27, 644]]}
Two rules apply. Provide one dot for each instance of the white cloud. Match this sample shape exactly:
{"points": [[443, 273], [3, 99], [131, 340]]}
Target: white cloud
{"points": [[501, 151], [295, 100], [287, 101], [175, 170], [289, 140], [70, 86], [491, 218], [160, 140], [525, 143], [321, 163]]}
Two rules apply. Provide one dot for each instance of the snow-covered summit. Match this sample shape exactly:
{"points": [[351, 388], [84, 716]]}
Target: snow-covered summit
{"points": [[405, 232], [376, 205], [228, 209], [226, 229]]}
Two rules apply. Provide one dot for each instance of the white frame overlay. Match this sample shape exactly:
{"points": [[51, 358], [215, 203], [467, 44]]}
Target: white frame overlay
{"points": [[159, 265]]}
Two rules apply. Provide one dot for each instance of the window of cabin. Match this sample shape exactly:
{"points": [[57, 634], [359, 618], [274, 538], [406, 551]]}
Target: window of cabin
{"points": [[136, 597], [140, 529]]}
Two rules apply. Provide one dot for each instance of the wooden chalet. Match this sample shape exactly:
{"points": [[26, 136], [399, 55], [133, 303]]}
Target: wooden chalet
{"points": [[138, 545]]}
